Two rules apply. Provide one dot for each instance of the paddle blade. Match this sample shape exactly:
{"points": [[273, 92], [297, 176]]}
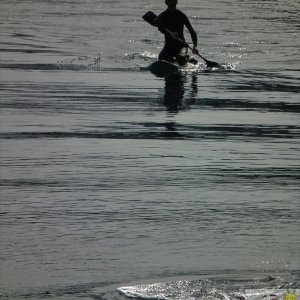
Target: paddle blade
{"points": [[151, 18]]}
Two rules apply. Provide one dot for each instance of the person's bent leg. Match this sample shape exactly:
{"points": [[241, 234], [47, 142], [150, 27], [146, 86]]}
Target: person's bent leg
{"points": [[166, 55], [182, 57]]}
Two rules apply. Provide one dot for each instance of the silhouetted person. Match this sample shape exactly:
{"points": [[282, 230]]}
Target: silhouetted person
{"points": [[175, 20]]}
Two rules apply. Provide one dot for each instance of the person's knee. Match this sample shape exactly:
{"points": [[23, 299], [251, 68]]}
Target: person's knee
{"points": [[165, 56], [182, 59]]}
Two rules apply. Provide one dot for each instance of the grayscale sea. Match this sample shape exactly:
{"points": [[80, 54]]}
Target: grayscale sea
{"points": [[118, 184]]}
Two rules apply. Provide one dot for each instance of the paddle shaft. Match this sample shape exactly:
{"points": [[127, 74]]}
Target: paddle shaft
{"points": [[170, 33]]}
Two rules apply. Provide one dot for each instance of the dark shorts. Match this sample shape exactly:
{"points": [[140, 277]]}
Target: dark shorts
{"points": [[169, 54], [174, 54]]}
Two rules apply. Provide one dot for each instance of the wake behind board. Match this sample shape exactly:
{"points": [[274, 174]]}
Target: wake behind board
{"points": [[163, 68]]}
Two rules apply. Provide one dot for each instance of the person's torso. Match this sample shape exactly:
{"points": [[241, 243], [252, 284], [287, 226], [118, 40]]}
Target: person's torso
{"points": [[174, 21]]}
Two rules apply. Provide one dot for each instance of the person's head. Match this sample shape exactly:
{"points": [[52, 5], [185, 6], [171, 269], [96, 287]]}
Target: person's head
{"points": [[171, 4]]}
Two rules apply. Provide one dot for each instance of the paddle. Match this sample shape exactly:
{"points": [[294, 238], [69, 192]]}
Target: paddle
{"points": [[151, 18]]}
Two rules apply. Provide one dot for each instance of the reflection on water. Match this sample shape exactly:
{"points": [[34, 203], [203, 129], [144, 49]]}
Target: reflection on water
{"points": [[175, 96], [174, 92], [172, 131]]}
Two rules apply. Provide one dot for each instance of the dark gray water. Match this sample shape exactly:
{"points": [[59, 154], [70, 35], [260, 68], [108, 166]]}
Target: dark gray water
{"points": [[112, 177]]}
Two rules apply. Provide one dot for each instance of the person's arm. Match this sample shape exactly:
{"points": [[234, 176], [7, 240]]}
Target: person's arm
{"points": [[193, 34]]}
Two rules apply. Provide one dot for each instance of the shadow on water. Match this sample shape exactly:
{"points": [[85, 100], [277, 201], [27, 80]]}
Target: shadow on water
{"points": [[174, 95]]}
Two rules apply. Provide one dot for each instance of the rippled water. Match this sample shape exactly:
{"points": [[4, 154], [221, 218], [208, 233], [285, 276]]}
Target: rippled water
{"points": [[113, 179]]}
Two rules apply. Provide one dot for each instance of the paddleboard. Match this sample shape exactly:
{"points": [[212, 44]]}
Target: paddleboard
{"points": [[163, 68]]}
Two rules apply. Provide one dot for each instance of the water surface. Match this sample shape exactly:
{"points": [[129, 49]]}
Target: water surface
{"points": [[112, 177]]}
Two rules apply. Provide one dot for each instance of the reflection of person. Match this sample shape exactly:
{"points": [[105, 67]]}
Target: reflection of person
{"points": [[174, 92], [174, 96], [174, 20]]}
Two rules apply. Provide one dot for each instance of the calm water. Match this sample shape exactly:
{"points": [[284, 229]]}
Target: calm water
{"points": [[112, 177]]}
